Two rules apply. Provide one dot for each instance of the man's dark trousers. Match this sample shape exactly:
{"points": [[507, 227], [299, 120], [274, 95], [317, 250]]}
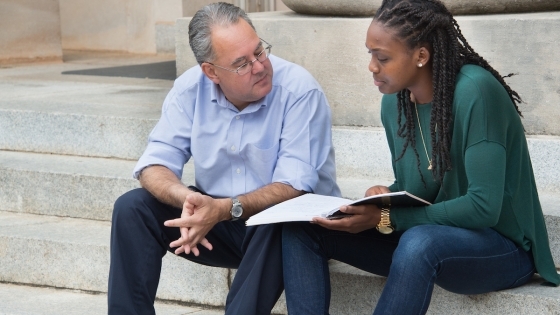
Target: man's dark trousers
{"points": [[139, 240]]}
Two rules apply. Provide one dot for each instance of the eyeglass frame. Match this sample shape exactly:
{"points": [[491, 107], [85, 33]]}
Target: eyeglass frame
{"points": [[266, 49]]}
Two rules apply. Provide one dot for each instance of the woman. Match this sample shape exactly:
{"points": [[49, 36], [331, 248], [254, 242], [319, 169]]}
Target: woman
{"points": [[456, 138]]}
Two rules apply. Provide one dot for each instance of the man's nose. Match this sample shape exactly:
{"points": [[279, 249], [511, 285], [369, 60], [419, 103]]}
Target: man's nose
{"points": [[257, 66]]}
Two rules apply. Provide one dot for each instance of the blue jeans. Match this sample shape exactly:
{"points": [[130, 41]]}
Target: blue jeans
{"points": [[458, 260]]}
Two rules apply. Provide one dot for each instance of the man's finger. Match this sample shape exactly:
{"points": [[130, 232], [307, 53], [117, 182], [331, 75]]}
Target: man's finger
{"points": [[179, 250], [206, 244], [195, 251], [182, 222], [176, 243]]}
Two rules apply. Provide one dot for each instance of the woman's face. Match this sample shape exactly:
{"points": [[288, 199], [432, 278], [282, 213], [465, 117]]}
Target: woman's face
{"points": [[393, 64]]}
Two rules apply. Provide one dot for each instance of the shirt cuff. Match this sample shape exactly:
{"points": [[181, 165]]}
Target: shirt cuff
{"points": [[301, 176]]}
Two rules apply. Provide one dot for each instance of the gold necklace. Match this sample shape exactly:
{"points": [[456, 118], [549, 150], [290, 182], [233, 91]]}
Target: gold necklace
{"points": [[422, 135]]}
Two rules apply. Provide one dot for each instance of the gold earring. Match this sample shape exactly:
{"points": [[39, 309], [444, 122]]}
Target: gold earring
{"points": [[420, 65]]}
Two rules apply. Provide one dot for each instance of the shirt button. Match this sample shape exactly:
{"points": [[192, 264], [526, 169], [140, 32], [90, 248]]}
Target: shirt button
{"points": [[232, 148], [237, 117], [238, 171]]}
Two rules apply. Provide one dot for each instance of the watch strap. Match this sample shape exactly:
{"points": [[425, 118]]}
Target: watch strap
{"points": [[384, 225]]}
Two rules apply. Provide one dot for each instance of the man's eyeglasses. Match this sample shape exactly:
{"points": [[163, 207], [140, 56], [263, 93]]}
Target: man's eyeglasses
{"points": [[248, 66]]}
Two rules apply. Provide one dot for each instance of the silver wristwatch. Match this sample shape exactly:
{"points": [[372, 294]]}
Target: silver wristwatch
{"points": [[236, 209]]}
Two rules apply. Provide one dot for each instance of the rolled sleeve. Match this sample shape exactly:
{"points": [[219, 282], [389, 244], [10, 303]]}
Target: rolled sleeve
{"points": [[306, 156], [169, 141], [299, 175], [158, 153]]}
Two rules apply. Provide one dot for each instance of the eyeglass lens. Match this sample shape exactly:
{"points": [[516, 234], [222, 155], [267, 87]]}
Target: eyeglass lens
{"points": [[261, 57]]}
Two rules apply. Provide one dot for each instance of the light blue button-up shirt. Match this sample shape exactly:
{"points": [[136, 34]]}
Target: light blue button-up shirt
{"points": [[284, 137]]}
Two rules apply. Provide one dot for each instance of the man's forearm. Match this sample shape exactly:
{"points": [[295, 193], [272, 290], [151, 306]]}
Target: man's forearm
{"points": [[167, 188], [264, 197], [164, 185]]}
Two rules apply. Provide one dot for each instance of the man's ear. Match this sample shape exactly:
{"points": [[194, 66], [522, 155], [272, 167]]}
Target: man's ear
{"points": [[210, 72], [424, 55]]}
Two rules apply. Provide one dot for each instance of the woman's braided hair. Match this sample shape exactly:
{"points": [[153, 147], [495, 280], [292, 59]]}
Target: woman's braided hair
{"points": [[429, 22]]}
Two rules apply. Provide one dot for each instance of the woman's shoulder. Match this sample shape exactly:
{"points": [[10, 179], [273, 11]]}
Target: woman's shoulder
{"points": [[475, 84], [475, 79]]}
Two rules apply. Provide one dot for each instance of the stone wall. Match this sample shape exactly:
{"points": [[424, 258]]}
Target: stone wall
{"points": [[457, 7], [333, 50], [30, 31], [112, 25]]}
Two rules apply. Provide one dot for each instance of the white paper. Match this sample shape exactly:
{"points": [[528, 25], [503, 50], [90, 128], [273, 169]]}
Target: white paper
{"points": [[302, 208]]}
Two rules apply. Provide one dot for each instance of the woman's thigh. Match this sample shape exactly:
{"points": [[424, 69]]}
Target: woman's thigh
{"points": [[465, 261], [369, 250]]}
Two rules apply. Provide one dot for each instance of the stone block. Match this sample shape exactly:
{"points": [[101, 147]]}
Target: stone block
{"points": [[332, 49], [165, 38], [30, 31], [168, 10], [74, 254], [27, 300], [457, 7], [79, 118], [112, 25], [70, 186]]}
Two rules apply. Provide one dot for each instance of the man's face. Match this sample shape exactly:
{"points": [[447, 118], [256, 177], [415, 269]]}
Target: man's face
{"points": [[235, 45]]}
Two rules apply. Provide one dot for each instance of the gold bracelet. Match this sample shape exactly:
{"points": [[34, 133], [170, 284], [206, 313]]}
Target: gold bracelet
{"points": [[384, 225]]}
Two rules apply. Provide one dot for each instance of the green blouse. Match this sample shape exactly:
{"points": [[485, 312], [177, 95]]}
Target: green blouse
{"points": [[491, 183]]}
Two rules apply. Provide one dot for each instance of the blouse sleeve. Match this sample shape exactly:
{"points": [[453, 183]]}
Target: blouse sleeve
{"points": [[485, 165]]}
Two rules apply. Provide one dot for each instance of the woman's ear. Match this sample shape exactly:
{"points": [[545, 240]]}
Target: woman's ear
{"points": [[423, 56], [210, 72]]}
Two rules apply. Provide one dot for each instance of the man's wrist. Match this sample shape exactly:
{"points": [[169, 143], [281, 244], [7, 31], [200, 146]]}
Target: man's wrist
{"points": [[225, 207]]}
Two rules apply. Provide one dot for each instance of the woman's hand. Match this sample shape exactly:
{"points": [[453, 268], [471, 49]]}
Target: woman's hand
{"points": [[363, 218]]}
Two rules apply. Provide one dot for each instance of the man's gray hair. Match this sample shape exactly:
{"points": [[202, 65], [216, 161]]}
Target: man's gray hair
{"points": [[200, 28]]}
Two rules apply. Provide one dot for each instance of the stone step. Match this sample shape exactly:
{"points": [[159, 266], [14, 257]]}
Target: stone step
{"points": [[79, 118], [62, 185], [33, 300], [105, 129], [86, 188], [332, 49], [74, 254]]}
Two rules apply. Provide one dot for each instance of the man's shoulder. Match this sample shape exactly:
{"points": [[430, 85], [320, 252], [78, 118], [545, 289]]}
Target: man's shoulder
{"points": [[293, 77], [192, 78]]}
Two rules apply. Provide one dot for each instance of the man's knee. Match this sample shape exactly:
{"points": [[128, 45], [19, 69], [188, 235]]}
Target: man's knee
{"points": [[126, 207]]}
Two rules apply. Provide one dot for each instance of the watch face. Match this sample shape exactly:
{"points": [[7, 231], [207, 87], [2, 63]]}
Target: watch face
{"points": [[236, 211], [385, 229]]}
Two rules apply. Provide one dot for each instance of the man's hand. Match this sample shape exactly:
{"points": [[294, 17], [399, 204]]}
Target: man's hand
{"points": [[200, 214], [363, 218]]}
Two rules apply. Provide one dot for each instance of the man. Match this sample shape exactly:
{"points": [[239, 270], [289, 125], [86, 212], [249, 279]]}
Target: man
{"points": [[257, 139]]}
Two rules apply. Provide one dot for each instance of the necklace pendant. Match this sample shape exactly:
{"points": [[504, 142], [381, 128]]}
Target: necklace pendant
{"points": [[430, 167]]}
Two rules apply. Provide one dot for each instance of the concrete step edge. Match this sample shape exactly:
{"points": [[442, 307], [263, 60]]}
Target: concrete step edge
{"points": [[17, 299], [74, 255]]}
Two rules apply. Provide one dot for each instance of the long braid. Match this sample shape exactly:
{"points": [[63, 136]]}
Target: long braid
{"points": [[420, 22]]}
